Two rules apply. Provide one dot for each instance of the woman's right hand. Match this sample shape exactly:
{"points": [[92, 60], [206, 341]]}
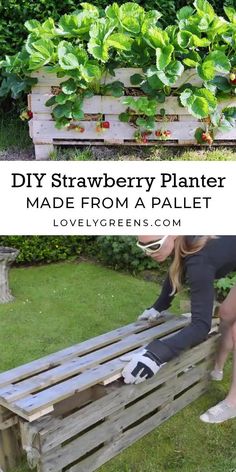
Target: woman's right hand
{"points": [[150, 314]]}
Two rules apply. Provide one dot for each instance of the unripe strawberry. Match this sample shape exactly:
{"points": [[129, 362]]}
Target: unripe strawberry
{"points": [[168, 132], [144, 140], [232, 76]]}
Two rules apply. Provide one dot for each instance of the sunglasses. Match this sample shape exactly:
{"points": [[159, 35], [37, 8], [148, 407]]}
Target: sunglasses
{"points": [[153, 246]]}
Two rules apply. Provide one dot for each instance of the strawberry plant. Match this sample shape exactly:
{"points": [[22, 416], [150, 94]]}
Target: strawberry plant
{"points": [[83, 46]]}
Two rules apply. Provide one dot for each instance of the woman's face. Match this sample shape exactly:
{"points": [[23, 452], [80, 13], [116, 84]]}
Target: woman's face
{"points": [[165, 250]]}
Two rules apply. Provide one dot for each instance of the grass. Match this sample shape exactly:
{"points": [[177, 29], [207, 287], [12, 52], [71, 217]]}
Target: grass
{"points": [[13, 133], [61, 304], [153, 153]]}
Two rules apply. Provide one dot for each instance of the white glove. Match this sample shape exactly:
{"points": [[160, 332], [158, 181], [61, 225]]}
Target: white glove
{"points": [[142, 366], [150, 314]]}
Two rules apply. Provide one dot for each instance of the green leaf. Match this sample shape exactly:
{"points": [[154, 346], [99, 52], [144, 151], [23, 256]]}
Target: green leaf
{"points": [[90, 72], [91, 8], [61, 111], [221, 83], [115, 88], [150, 21], [208, 96], [193, 59], [199, 107], [32, 25], [120, 41], [200, 42], [113, 13], [51, 101], [61, 98], [41, 53], [77, 111], [69, 56], [131, 24], [229, 112], [62, 122], [186, 97], [156, 38], [206, 70], [69, 86], [99, 34], [131, 17], [221, 61], [203, 7], [124, 117], [163, 56], [184, 38], [171, 74], [185, 12], [136, 79], [231, 14], [152, 79]]}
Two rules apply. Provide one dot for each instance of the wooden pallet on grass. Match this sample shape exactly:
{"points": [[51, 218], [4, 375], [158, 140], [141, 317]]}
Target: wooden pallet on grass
{"points": [[72, 409], [181, 124]]}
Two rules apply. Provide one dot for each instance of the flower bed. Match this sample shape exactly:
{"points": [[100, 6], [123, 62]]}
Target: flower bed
{"points": [[86, 91]]}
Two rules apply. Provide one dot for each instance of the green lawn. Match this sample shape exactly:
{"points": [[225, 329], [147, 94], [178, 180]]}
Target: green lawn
{"points": [[62, 304], [13, 133]]}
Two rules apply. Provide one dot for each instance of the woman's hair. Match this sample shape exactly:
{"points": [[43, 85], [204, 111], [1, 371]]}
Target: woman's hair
{"points": [[184, 246]]}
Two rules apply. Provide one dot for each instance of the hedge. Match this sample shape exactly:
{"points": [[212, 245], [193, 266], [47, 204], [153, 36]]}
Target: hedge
{"points": [[120, 253], [38, 249]]}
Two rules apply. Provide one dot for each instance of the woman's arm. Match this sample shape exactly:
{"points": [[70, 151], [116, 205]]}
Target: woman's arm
{"points": [[165, 298], [200, 276]]}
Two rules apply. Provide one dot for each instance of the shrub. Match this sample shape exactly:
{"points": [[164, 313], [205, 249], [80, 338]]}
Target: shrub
{"points": [[224, 285], [121, 252], [34, 249]]}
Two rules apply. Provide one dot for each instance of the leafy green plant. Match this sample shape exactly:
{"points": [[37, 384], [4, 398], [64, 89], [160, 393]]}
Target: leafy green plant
{"points": [[224, 285], [122, 253], [83, 46], [35, 249]]}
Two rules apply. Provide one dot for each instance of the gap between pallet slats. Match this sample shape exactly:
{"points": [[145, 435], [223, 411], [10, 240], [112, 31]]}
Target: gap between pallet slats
{"points": [[122, 420]]}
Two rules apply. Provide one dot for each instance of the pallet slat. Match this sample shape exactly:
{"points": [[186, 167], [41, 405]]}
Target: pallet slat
{"points": [[11, 393], [44, 130], [29, 406], [54, 359], [122, 74], [114, 106]]}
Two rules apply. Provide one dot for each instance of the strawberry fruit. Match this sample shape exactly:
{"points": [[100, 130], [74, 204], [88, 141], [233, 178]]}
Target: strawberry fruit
{"points": [[105, 124]]}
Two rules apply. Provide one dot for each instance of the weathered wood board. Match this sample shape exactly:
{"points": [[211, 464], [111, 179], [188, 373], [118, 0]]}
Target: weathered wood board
{"points": [[67, 416]]}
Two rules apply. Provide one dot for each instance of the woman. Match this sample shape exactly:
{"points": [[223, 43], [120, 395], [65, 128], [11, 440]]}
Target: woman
{"points": [[198, 260]]}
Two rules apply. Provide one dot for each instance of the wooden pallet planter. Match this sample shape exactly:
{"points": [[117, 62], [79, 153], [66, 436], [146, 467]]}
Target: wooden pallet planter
{"points": [[72, 410], [44, 134]]}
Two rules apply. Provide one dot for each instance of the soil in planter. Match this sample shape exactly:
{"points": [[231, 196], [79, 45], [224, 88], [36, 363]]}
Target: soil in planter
{"points": [[134, 92]]}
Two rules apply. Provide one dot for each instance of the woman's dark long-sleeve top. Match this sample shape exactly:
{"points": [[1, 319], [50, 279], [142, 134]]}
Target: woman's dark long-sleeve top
{"points": [[214, 261]]}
